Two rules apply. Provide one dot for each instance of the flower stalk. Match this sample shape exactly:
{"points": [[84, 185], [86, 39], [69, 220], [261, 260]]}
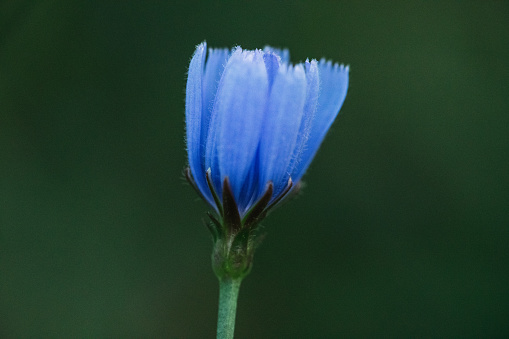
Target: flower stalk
{"points": [[228, 294]]}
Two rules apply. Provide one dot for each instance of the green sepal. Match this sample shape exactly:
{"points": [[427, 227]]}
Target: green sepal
{"points": [[190, 180], [235, 238], [215, 227], [231, 260], [256, 213], [212, 228], [213, 192], [242, 238], [231, 215], [282, 196]]}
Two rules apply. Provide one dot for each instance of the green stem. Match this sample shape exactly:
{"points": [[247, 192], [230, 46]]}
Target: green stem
{"points": [[228, 293]]}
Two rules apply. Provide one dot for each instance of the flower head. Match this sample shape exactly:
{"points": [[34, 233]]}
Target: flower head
{"points": [[254, 123]]}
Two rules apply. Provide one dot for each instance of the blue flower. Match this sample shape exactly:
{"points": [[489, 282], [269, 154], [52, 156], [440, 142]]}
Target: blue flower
{"points": [[254, 122]]}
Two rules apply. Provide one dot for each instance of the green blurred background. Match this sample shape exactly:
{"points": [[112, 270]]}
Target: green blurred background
{"points": [[402, 229]]}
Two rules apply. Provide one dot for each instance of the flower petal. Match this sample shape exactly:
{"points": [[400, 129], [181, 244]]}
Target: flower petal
{"points": [[216, 61], [272, 62], [333, 88], [194, 118], [250, 187], [312, 90], [281, 126], [237, 118], [284, 54]]}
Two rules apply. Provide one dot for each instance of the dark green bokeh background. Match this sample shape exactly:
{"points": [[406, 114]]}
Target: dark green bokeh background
{"points": [[402, 229]]}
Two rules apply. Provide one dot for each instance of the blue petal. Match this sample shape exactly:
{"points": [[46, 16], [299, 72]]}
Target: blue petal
{"points": [[333, 88], [312, 90], [281, 126], [237, 117], [272, 62], [284, 54], [194, 118], [216, 61], [250, 189]]}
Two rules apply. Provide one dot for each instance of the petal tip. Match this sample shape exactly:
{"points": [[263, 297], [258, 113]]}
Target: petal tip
{"points": [[202, 46]]}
